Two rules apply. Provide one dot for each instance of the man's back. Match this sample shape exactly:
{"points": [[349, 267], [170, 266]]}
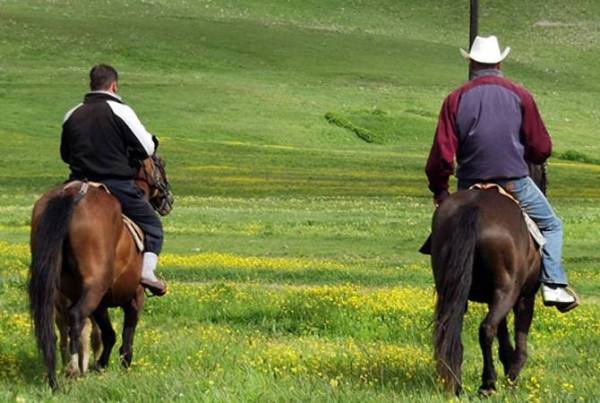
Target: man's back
{"points": [[492, 126], [488, 122], [102, 138]]}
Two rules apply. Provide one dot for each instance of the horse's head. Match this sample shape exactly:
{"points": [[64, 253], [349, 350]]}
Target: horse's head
{"points": [[537, 172], [153, 173]]}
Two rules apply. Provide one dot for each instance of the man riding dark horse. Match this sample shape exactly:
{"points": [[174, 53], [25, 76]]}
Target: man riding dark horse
{"points": [[493, 128], [104, 141]]}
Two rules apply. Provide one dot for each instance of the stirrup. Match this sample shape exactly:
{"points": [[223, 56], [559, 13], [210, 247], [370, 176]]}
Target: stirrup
{"points": [[156, 292], [572, 305]]}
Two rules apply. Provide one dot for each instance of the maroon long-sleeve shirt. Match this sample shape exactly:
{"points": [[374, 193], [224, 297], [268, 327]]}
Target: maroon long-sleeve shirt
{"points": [[492, 126]]}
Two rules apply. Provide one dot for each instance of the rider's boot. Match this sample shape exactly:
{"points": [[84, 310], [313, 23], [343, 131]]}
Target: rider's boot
{"points": [[562, 297], [149, 280]]}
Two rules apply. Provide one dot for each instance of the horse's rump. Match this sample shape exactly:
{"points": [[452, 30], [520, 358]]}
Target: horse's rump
{"points": [[97, 245], [503, 237]]}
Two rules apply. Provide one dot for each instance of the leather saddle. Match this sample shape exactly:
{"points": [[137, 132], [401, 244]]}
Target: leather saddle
{"points": [[534, 230]]}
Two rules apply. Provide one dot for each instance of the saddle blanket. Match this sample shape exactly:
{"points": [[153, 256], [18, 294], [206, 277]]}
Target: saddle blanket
{"points": [[136, 232], [534, 230]]}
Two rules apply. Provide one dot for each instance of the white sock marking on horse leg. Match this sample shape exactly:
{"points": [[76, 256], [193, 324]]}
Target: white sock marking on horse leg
{"points": [[73, 367], [85, 345]]}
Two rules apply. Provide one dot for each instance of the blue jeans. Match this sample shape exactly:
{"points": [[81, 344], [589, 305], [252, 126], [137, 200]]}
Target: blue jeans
{"points": [[538, 208]]}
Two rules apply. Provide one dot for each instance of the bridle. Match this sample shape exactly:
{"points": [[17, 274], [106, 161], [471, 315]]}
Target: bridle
{"points": [[160, 195]]}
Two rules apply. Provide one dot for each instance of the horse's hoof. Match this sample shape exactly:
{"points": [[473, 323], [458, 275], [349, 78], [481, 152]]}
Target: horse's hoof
{"points": [[53, 383], [511, 381], [72, 372], [486, 391], [98, 367], [125, 357], [125, 362]]}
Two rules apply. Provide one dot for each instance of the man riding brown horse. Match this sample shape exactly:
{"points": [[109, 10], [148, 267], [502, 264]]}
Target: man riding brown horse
{"points": [[103, 141], [493, 128], [481, 248]]}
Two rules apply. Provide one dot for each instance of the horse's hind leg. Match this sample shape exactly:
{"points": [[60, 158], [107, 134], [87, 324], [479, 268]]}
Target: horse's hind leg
{"points": [[132, 313], [72, 368], [505, 350], [108, 336], [501, 304], [523, 318], [78, 314]]}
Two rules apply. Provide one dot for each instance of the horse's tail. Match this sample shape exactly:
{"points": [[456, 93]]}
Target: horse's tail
{"points": [[46, 261], [453, 277]]}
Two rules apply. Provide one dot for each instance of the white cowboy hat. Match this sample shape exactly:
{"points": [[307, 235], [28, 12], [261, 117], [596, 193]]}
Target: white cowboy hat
{"points": [[485, 50]]}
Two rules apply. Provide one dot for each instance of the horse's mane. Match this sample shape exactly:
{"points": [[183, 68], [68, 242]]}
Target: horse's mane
{"points": [[537, 172]]}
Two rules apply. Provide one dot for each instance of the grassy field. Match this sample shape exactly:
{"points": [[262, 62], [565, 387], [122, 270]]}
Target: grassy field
{"points": [[292, 249]]}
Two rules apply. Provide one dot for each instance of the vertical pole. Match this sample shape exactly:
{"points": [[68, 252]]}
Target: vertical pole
{"points": [[473, 25]]}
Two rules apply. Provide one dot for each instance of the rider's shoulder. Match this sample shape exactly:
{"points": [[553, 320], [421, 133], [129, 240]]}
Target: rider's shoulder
{"points": [[121, 109], [71, 111]]}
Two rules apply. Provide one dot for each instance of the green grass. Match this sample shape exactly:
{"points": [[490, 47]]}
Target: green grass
{"points": [[291, 251]]}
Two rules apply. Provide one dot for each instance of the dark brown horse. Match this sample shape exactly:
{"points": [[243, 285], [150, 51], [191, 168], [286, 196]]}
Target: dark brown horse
{"points": [[81, 249], [481, 250]]}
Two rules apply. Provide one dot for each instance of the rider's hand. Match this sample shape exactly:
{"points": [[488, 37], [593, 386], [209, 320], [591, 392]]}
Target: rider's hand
{"points": [[440, 197]]}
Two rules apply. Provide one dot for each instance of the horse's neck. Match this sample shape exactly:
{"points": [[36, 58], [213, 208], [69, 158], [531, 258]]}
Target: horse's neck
{"points": [[537, 172]]}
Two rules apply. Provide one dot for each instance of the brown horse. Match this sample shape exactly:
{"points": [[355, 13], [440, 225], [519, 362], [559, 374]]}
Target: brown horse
{"points": [[481, 250], [81, 249]]}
